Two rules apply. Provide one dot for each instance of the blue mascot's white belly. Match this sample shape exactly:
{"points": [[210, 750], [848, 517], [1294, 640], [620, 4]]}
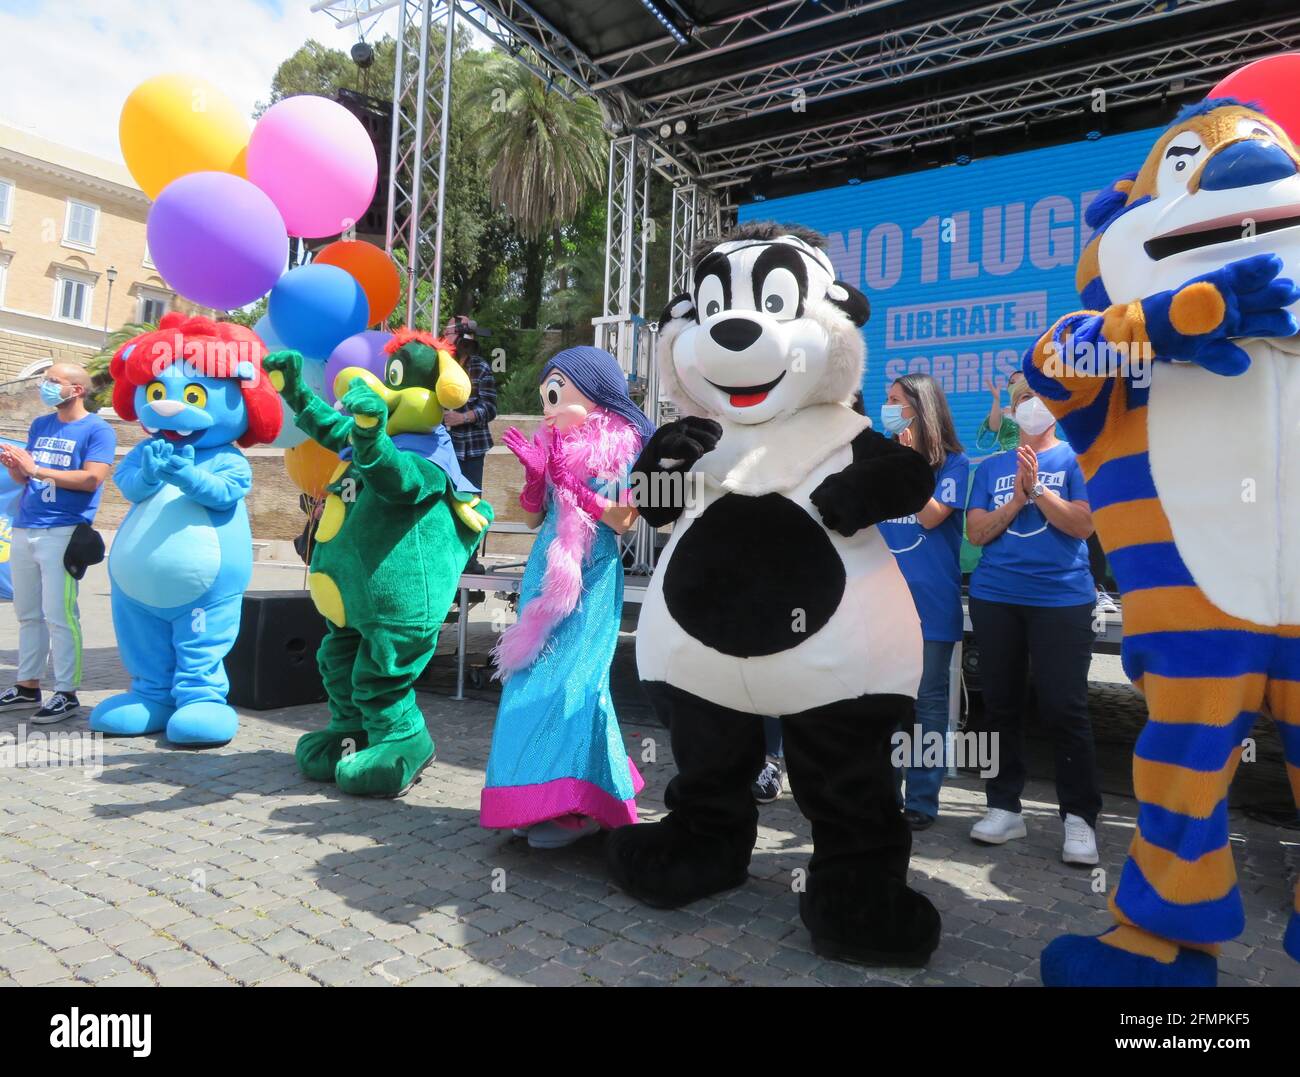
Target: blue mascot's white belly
{"points": [[167, 551], [870, 643], [1225, 457]]}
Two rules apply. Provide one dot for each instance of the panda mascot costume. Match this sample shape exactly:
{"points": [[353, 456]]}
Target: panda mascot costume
{"points": [[776, 595]]}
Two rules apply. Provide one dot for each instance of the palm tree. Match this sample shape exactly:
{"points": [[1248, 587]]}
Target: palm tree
{"points": [[101, 391], [546, 155]]}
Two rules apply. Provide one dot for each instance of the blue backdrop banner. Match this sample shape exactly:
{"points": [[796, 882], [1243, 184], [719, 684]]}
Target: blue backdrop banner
{"points": [[965, 266]]}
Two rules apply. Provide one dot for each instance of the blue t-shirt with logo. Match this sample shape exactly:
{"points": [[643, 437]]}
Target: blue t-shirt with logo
{"points": [[931, 557], [1032, 563], [60, 446]]}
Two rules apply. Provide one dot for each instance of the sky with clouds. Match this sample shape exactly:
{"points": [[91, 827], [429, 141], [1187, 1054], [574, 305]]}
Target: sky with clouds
{"points": [[66, 66]]}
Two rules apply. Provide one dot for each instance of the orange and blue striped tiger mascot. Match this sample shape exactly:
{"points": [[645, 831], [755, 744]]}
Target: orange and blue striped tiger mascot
{"points": [[1180, 391]]}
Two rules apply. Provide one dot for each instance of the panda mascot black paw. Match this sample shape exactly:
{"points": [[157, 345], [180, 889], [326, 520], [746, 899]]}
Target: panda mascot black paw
{"points": [[776, 595]]}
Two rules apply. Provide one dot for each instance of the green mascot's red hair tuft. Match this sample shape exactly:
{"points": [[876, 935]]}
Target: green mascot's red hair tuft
{"points": [[402, 337]]}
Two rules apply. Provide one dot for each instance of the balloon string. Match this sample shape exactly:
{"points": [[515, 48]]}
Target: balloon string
{"points": [[316, 503]]}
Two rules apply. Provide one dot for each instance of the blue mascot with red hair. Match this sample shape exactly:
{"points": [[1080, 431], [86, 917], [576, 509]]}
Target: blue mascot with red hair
{"points": [[184, 554]]}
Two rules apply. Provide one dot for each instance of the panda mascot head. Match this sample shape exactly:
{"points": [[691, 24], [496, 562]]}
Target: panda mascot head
{"points": [[766, 330]]}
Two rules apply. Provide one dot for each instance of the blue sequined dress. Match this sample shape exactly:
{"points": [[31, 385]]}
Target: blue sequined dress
{"points": [[557, 749]]}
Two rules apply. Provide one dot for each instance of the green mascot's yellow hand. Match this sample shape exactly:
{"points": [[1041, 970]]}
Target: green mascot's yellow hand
{"points": [[468, 514], [284, 369]]}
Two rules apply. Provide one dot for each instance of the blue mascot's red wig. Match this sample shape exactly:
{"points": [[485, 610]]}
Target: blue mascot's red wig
{"points": [[216, 349]]}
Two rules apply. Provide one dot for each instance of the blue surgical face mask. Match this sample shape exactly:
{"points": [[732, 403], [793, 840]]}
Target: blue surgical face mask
{"points": [[891, 418], [52, 393]]}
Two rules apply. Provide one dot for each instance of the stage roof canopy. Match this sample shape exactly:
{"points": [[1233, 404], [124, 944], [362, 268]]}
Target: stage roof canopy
{"points": [[782, 95]]}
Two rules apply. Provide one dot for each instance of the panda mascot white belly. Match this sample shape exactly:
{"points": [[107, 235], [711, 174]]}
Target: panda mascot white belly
{"points": [[757, 606], [777, 596]]}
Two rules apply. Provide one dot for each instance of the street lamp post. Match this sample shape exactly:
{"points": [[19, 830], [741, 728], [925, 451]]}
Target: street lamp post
{"points": [[111, 274]]}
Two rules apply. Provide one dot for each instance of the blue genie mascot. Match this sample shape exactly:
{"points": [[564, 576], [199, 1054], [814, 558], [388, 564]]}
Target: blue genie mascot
{"points": [[184, 555]]}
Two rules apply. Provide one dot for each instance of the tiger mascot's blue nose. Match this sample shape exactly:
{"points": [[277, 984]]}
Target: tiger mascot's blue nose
{"points": [[1244, 164]]}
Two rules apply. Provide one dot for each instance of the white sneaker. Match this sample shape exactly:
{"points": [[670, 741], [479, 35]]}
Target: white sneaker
{"points": [[1080, 842], [554, 835], [1105, 604], [998, 827]]}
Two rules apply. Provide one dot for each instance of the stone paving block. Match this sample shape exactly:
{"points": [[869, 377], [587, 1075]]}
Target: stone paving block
{"points": [[289, 979], [41, 975], [253, 970]]}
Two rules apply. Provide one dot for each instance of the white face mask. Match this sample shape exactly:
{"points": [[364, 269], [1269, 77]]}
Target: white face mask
{"points": [[1033, 417]]}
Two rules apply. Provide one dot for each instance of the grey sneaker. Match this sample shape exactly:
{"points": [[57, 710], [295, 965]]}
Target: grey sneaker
{"points": [[61, 705], [767, 786]]}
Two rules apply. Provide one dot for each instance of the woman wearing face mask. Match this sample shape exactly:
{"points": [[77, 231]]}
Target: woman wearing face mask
{"points": [[998, 430], [928, 549], [1031, 603]]}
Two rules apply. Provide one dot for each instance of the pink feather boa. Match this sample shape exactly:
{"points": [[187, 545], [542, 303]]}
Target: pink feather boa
{"points": [[602, 446]]}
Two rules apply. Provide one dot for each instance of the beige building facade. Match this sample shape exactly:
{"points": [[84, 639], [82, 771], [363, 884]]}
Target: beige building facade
{"points": [[74, 262]]}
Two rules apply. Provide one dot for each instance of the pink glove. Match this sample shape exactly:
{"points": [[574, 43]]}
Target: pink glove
{"points": [[587, 499], [532, 454]]}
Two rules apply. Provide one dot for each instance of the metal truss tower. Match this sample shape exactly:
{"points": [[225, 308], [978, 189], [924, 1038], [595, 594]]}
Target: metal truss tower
{"points": [[417, 165]]}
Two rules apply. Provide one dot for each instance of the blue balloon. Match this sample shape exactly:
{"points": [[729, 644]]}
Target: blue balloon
{"points": [[313, 373], [315, 307], [262, 327]]}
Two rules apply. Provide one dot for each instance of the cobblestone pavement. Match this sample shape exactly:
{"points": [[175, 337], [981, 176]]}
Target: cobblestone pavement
{"points": [[226, 867]]}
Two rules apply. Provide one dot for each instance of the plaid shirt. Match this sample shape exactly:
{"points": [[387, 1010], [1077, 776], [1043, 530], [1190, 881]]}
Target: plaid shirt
{"points": [[474, 438]]}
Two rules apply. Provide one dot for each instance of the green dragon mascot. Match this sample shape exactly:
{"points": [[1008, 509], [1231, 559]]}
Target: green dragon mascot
{"points": [[398, 527]]}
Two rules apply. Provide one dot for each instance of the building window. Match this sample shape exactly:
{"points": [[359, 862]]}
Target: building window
{"points": [[5, 256], [80, 227], [152, 307], [148, 258], [72, 297], [6, 203]]}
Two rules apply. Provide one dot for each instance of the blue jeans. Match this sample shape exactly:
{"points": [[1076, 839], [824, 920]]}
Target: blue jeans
{"points": [[932, 716], [772, 735]]}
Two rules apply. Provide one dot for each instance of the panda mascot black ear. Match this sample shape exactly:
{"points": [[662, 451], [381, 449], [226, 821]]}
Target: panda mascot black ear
{"points": [[681, 306], [851, 301]]}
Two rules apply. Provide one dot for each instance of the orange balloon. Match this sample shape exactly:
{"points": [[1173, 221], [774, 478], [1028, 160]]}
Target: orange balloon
{"points": [[371, 268], [310, 467]]}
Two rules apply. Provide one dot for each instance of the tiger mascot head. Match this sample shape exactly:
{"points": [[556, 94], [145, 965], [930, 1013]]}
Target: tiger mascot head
{"points": [[1221, 184]]}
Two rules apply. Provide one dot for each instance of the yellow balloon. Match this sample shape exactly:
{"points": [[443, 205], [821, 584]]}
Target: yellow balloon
{"points": [[172, 125], [311, 467]]}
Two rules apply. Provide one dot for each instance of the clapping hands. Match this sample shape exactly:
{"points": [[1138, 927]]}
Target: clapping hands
{"points": [[162, 462]]}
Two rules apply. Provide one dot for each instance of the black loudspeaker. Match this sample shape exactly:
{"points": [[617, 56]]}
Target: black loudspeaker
{"points": [[376, 116], [273, 662]]}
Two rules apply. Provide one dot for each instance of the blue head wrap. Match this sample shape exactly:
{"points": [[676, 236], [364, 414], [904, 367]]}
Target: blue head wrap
{"points": [[601, 380]]}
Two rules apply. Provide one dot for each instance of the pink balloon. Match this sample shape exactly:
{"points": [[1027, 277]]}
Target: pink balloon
{"points": [[365, 349], [1274, 84], [317, 164]]}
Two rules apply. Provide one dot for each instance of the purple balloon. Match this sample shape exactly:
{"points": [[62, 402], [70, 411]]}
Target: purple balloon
{"points": [[365, 350], [217, 239]]}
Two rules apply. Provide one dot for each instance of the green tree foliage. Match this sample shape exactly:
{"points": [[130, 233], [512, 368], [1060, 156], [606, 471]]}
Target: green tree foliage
{"points": [[101, 385]]}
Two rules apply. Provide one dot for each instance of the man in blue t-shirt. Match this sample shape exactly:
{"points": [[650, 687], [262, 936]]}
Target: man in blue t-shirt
{"points": [[62, 470]]}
